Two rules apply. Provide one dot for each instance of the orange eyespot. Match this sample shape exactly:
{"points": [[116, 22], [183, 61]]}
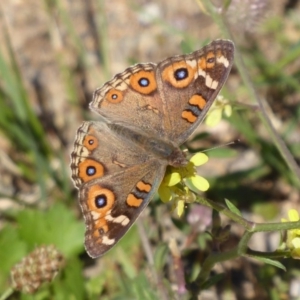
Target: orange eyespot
{"points": [[210, 60], [207, 62], [100, 200], [179, 74], [90, 169], [90, 142], [114, 96], [143, 82]]}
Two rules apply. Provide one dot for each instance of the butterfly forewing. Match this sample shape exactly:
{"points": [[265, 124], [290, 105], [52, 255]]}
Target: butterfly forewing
{"points": [[190, 84]]}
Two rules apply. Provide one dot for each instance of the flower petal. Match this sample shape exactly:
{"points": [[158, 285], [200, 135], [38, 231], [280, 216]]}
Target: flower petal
{"points": [[199, 159], [227, 110], [214, 117], [200, 183], [180, 207], [296, 253], [293, 215], [164, 193], [296, 242], [172, 179]]}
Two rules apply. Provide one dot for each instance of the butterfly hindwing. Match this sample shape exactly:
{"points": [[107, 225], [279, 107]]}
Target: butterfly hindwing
{"points": [[116, 180]]}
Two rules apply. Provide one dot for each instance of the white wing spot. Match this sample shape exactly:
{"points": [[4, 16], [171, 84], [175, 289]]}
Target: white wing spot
{"points": [[107, 241], [223, 60], [122, 219], [95, 215], [84, 152], [122, 85], [209, 82], [201, 73], [192, 63]]}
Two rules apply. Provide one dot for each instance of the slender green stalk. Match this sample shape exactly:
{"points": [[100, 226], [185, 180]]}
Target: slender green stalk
{"points": [[248, 225], [7, 293], [220, 208]]}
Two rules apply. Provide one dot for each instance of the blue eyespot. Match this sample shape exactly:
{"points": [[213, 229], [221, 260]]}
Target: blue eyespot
{"points": [[181, 74], [144, 82], [100, 201], [90, 171]]}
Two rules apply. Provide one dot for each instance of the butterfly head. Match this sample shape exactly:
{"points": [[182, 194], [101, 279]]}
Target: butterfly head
{"points": [[177, 158]]}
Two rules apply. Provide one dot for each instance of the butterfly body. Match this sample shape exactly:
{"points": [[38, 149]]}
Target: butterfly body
{"points": [[159, 149], [148, 111]]}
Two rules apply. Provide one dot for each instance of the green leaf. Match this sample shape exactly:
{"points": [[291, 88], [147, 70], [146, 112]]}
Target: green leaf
{"points": [[57, 226], [212, 281], [142, 289], [12, 251], [96, 285], [269, 261], [160, 256], [69, 284], [233, 208]]}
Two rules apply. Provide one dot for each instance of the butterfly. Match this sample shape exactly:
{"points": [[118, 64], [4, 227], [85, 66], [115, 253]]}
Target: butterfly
{"points": [[147, 112]]}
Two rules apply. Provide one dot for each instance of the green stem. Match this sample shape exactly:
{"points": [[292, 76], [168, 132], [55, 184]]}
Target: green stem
{"points": [[249, 226], [7, 293], [211, 260], [220, 208], [278, 254], [243, 244]]}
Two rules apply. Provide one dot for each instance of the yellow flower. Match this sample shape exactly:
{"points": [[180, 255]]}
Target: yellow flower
{"points": [[219, 107], [174, 185], [293, 235]]}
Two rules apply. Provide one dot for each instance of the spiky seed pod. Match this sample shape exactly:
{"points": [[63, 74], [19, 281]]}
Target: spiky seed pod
{"points": [[38, 267]]}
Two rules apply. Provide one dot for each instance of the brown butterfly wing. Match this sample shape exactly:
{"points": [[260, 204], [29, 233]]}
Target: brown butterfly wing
{"points": [[111, 205], [189, 86], [116, 180], [168, 100]]}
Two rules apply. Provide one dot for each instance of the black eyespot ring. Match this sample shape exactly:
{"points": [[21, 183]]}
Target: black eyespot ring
{"points": [[101, 201], [181, 74], [90, 171], [144, 82]]}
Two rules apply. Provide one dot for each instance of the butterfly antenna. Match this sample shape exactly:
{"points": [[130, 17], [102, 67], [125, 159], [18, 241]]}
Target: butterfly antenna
{"points": [[213, 148], [224, 145]]}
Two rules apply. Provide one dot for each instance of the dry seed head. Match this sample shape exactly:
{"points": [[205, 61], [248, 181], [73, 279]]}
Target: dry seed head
{"points": [[246, 15], [38, 267]]}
